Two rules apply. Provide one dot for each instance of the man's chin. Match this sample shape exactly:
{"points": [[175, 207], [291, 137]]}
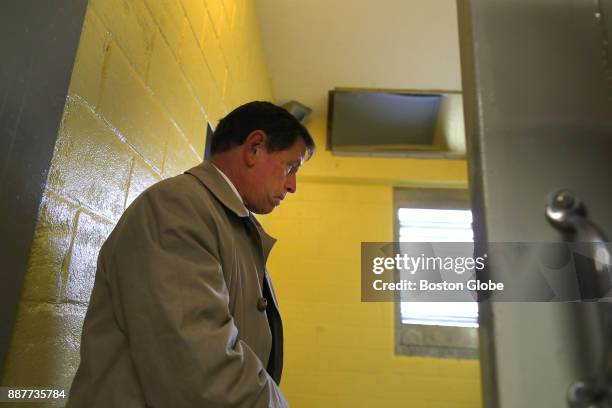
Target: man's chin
{"points": [[261, 211]]}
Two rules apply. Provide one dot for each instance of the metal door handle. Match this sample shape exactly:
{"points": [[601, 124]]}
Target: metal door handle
{"points": [[567, 214]]}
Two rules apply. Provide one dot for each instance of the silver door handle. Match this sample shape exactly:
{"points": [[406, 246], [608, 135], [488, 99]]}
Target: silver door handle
{"points": [[567, 214]]}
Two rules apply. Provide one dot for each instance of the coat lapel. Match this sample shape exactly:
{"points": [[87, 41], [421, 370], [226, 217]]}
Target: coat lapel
{"points": [[214, 181], [267, 241]]}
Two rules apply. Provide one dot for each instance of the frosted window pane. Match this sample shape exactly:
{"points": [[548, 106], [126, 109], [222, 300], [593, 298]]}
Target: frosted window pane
{"points": [[430, 225]]}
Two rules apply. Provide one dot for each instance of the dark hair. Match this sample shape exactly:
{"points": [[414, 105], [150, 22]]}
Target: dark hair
{"points": [[280, 126]]}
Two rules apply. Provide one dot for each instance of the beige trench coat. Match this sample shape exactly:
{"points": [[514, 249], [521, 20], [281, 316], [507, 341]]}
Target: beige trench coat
{"points": [[173, 319]]}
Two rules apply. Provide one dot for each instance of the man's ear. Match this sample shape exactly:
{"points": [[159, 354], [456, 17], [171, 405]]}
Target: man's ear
{"points": [[254, 144]]}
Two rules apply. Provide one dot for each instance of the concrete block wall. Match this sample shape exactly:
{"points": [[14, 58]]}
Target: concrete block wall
{"points": [[149, 76], [339, 351]]}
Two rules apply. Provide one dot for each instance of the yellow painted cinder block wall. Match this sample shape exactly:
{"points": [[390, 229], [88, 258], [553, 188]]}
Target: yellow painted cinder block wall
{"points": [[149, 75], [340, 351]]}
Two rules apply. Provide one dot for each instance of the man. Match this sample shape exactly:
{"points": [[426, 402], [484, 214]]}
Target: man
{"points": [[182, 312]]}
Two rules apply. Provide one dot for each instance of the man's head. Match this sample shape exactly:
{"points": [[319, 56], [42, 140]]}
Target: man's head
{"points": [[260, 147]]}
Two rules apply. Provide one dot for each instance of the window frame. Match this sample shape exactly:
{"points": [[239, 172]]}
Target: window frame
{"points": [[424, 340]]}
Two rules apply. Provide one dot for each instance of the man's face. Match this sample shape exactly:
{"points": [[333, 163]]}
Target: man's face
{"points": [[273, 176]]}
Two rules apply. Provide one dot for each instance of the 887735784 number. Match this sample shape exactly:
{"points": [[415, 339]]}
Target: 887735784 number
{"points": [[31, 394]]}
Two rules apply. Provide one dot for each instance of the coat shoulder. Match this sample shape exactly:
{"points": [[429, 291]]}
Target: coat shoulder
{"points": [[183, 186], [177, 201], [181, 190]]}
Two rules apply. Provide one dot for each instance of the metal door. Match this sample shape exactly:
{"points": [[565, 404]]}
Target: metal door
{"points": [[537, 83]]}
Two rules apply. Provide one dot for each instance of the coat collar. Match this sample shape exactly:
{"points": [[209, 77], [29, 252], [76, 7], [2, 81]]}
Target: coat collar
{"points": [[214, 181]]}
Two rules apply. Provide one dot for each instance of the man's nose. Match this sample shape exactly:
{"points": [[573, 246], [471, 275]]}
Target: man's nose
{"points": [[291, 184]]}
